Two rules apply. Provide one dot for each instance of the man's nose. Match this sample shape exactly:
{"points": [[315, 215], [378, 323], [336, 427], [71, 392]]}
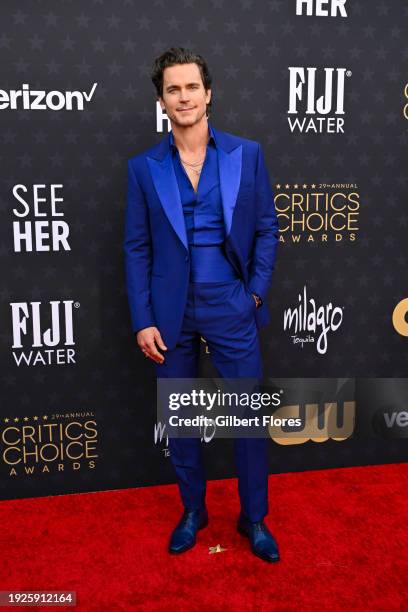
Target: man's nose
{"points": [[184, 95]]}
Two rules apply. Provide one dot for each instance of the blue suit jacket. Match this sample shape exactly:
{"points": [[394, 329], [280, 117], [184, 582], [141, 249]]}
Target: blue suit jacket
{"points": [[156, 249]]}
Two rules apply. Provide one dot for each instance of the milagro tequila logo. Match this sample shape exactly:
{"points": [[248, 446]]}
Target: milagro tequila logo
{"points": [[308, 321], [33, 342], [315, 110], [160, 436]]}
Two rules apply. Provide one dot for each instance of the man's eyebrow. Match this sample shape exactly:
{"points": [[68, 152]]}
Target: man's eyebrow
{"points": [[192, 83]]}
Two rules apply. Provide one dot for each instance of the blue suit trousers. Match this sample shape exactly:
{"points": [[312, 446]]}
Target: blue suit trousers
{"points": [[224, 314]]}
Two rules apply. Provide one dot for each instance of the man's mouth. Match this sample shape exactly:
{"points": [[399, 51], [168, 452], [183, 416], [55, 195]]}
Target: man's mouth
{"points": [[183, 110]]}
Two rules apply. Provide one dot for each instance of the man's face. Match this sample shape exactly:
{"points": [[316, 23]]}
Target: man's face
{"points": [[184, 97]]}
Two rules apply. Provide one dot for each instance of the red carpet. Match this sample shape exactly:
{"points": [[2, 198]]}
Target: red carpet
{"points": [[342, 534]]}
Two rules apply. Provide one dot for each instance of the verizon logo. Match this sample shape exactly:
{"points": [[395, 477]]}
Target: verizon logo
{"points": [[31, 99], [396, 418]]}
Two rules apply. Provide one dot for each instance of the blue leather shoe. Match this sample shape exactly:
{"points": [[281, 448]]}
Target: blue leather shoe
{"points": [[262, 541], [184, 535]]}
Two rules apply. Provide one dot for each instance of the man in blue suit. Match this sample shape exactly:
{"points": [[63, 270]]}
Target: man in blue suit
{"points": [[200, 241]]}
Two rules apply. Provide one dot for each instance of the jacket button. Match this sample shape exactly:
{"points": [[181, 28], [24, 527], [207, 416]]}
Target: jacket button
{"points": [[187, 258]]}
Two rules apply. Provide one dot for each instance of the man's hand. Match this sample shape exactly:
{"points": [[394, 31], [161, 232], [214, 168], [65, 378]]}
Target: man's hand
{"points": [[147, 339], [258, 300]]}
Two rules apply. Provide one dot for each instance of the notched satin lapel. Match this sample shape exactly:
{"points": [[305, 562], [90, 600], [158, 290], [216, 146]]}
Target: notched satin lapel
{"points": [[165, 182], [230, 168]]}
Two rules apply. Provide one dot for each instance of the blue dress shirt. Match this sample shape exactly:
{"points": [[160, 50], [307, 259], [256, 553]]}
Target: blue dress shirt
{"points": [[203, 213]]}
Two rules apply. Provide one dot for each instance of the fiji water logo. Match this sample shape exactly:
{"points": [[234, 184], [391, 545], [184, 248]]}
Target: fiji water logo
{"points": [[43, 333], [316, 99], [311, 323]]}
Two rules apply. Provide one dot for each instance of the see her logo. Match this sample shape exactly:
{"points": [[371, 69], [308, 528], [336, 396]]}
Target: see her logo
{"points": [[321, 8]]}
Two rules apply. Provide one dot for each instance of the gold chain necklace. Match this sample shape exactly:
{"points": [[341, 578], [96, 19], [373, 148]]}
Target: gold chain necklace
{"points": [[194, 165]]}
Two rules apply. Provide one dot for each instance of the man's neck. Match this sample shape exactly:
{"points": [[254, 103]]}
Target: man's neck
{"points": [[192, 138]]}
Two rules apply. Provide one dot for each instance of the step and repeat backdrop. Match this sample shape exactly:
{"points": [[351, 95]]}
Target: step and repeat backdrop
{"points": [[323, 86]]}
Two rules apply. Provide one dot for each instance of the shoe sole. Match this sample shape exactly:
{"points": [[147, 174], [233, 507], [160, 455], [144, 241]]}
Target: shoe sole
{"points": [[179, 552], [268, 559]]}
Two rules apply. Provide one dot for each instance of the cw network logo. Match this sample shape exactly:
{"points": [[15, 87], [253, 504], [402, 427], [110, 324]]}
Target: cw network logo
{"points": [[400, 317], [28, 99], [319, 422]]}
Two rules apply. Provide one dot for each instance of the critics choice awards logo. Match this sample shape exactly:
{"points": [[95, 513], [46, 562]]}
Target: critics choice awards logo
{"points": [[50, 443], [318, 212]]}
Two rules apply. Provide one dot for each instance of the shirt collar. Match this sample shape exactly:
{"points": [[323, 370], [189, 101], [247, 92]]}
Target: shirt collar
{"points": [[211, 140]]}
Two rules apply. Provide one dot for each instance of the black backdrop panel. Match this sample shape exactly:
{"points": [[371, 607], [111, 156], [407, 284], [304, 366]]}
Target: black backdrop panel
{"points": [[325, 97]]}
